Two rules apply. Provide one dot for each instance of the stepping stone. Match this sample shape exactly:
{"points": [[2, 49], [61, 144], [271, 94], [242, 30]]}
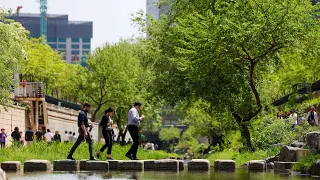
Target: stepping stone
{"points": [[166, 164], [82, 164], [199, 164], [2, 175], [148, 164], [11, 165], [225, 165], [270, 165], [65, 165], [257, 165], [130, 165], [283, 165], [113, 164], [97, 165], [37, 165], [181, 165]]}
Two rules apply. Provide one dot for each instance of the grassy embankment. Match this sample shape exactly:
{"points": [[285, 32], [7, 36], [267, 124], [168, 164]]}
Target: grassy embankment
{"points": [[61, 150]]}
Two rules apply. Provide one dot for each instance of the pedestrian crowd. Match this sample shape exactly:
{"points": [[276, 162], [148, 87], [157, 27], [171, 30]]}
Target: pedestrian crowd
{"points": [[292, 116]]}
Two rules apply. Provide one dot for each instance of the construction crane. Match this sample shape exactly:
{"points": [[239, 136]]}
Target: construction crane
{"points": [[43, 18]]}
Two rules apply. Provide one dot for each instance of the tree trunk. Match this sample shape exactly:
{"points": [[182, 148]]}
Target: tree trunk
{"points": [[245, 132], [94, 115]]}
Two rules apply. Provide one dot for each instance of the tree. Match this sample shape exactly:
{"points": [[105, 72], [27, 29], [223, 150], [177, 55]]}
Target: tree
{"points": [[12, 39], [110, 76], [221, 50]]}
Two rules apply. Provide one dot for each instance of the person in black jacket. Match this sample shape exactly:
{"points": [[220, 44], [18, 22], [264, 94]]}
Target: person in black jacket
{"points": [[106, 124], [16, 135], [28, 137], [57, 137], [84, 134]]}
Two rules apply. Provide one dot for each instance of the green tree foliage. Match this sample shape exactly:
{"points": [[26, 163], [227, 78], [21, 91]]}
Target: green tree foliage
{"points": [[12, 39], [46, 65], [221, 50], [169, 134]]}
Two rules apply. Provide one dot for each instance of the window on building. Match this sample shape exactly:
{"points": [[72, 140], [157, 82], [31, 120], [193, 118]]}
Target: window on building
{"points": [[85, 46], [85, 52], [62, 40], [75, 46], [52, 39], [62, 46], [53, 46], [86, 40], [75, 40], [75, 52], [74, 59]]}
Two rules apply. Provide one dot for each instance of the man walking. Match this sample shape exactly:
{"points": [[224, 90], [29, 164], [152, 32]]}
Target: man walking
{"points": [[133, 128], [48, 136], [83, 125], [28, 137]]}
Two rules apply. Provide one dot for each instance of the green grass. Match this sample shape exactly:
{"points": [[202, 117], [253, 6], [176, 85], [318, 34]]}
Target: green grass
{"points": [[61, 150]]}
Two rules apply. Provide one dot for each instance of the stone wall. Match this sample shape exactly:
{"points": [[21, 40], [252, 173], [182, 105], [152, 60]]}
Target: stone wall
{"points": [[13, 117]]}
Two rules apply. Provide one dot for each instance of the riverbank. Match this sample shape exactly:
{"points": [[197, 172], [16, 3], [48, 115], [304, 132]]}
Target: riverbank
{"points": [[60, 151]]}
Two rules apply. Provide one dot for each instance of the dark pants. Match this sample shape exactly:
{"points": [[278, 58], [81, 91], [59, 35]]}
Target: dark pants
{"points": [[107, 135], [3, 144], [79, 141], [134, 132]]}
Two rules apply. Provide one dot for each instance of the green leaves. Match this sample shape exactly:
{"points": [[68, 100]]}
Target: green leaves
{"points": [[12, 39]]}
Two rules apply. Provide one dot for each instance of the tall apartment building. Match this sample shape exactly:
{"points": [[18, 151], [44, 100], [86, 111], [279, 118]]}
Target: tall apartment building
{"points": [[155, 10], [73, 38]]}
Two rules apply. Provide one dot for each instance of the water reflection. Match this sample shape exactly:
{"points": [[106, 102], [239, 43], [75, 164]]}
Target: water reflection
{"points": [[241, 174]]}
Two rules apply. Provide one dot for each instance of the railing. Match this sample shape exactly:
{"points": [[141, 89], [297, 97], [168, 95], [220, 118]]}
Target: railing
{"points": [[30, 89]]}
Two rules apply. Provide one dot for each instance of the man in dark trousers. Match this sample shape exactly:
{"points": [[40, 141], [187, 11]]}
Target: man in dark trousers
{"points": [[83, 125], [133, 128], [28, 137], [16, 135]]}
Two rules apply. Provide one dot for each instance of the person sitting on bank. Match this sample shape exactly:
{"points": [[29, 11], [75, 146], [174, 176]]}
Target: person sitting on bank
{"points": [[106, 124], [313, 117]]}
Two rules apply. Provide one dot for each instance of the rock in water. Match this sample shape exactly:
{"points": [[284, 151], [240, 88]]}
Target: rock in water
{"points": [[313, 139], [288, 154]]}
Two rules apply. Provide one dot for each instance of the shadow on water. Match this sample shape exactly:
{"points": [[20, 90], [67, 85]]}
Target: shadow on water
{"points": [[240, 174]]}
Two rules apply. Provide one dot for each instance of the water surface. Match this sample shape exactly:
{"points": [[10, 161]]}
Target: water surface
{"points": [[240, 174]]}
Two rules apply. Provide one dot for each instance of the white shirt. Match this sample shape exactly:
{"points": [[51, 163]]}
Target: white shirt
{"points": [[133, 117], [315, 117], [74, 139], [48, 136], [66, 137], [294, 118]]}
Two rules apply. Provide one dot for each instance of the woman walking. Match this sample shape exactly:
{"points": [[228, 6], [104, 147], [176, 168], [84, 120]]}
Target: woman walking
{"points": [[106, 124]]}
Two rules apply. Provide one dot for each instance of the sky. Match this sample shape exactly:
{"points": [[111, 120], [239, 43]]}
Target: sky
{"points": [[111, 18]]}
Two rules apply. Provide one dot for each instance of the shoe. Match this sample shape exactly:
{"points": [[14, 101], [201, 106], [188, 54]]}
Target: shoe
{"points": [[92, 159], [109, 158], [128, 156], [134, 158], [71, 158], [98, 155]]}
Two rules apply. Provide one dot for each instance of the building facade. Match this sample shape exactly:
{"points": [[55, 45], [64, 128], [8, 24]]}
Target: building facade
{"points": [[72, 38]]}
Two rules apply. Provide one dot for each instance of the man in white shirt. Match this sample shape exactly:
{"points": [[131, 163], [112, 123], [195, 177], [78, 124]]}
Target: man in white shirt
{"points": [[48, 136], [294, 119], [313, 117], [66, 137]]}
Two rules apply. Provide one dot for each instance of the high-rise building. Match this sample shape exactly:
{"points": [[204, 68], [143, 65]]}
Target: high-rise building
{"points": [[73, 38], [155, 10]]}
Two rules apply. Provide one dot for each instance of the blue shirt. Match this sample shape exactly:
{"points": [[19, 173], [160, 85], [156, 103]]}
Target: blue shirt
{"points": [[3, 137], [133, 117]]}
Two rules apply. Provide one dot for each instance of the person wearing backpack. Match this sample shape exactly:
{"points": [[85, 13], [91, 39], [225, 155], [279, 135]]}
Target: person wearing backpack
{"points": [[106, 124], [313, 117]]}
